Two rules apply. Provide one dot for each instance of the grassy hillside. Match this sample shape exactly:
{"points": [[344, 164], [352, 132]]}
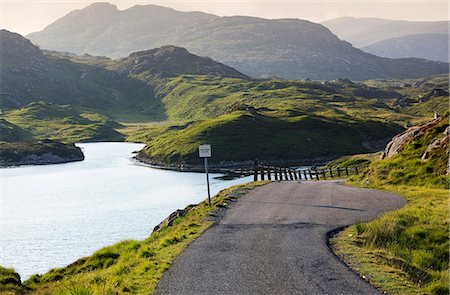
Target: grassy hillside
{"points": [[273, 136], [406, 251], [38, 153], [128, 267], [45, 120]]}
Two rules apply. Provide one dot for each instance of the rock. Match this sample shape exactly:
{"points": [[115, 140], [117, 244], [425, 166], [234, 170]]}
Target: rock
{"points": [[401, 102], [38, 153], [438, 144], [172, 217], [397, 143]]}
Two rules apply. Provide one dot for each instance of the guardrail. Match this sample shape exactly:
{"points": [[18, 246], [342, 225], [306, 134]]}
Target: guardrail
{"points": [[282, 174]]}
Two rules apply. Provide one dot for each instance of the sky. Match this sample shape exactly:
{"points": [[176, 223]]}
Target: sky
{"points": [[26, 16]]}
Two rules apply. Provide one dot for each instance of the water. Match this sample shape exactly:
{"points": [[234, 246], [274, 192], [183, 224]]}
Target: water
{"points": [[52, 215]]}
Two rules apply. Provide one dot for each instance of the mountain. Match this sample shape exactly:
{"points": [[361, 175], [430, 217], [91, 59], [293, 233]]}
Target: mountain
{"points": [[29, 75], [287, 48], [395, 39], [427, 46], [172, 61], [362, 32], [99, 83]]}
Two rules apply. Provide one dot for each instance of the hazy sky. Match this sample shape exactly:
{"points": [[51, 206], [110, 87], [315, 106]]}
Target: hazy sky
{"points": [[33, 15]]}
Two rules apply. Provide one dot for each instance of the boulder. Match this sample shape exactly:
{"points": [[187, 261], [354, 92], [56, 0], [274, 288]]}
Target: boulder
{"points": [[397, 143]]}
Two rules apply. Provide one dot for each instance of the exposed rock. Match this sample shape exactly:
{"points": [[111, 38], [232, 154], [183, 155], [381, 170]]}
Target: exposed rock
{"points": [[397, 143], [433, 93], [401, 102], [437, 145], [172, 217], [38, 153]]}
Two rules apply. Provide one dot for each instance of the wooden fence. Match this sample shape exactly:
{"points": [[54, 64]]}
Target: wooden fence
{"points": [[281, 174]]}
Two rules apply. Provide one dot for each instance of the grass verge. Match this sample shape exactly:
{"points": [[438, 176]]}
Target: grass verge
{"points": [[134, 267], [405, 251]]}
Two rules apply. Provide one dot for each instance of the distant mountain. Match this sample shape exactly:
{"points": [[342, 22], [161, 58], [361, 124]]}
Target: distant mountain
{"points": [[362, 32], [427, 46], [288, 48], [395, 39], [172, 61], [29, 75]]}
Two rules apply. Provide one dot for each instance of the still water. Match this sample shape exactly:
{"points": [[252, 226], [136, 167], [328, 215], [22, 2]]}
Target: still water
{"points": [[52, 215]]}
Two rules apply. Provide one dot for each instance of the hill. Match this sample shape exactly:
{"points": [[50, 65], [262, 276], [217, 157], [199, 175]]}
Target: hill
{"points": [[29, 75], [46, 120], [362, 32], [242, 136], [394, 39], [287, 48], [427, 46], [38, 153], [172, 61]]}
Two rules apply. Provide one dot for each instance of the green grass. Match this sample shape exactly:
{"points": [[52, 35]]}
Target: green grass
{"points": [[133, 267], [272, 136], [360, 160], [405, 251], [44, 120]]}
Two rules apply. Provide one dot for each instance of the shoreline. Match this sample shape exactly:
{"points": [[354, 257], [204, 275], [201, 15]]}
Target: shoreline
{"points": [[238, 167]]}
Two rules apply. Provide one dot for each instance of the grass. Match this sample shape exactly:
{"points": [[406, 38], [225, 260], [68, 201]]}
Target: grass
{"points": [[45, 120], [133, 267], [405, 251], [271, 136]]}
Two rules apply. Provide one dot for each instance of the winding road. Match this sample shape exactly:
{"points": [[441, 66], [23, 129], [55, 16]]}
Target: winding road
{"points": [[274, 241]]}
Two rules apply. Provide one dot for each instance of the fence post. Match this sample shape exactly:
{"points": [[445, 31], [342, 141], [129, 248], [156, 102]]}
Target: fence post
{"points": [[310, 174], [304, 174], [275, 173], [285, 174], [331, 172], [356, 169], [317, 174], [323, 174], [339, 172], [262, 173], [269, 177], [346, 170]]}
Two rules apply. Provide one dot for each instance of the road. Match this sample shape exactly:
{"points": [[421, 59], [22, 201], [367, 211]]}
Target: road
{"points": [[274, 241]]}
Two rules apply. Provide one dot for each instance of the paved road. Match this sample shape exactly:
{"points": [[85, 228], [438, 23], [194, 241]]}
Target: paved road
{"points": [[273, 241]]}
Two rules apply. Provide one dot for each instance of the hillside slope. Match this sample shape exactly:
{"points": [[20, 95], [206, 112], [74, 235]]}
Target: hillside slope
{"points": [[241, 136], [362, 32], [427, 46], [288, 48], [45, 120]]}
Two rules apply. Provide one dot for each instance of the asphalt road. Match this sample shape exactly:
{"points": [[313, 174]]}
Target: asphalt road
{"points": [[274, 241]]}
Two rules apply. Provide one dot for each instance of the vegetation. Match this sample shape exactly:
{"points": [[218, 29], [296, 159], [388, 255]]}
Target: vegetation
{"points": [[133, 267], [10, 283], [45, 120], [267, 135], [38, 153], [406, 251]]}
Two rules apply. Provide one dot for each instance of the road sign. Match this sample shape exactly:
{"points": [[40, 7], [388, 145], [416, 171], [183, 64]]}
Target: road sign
{"points": [[204, 151]]}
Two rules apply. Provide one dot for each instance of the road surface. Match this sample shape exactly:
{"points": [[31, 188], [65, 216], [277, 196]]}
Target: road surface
{"points": [[274, 241]]}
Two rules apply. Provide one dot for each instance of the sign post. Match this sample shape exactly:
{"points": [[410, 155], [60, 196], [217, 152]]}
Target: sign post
{"points": [[204, 151]]}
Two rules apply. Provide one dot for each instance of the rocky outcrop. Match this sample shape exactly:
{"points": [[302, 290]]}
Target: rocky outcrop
{"points": [[172, 217], [440, 144], [398, 142], [38, 153]]}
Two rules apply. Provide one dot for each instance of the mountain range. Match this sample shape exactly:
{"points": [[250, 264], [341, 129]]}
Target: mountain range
{"points": [[257, 47], [393, 38]]}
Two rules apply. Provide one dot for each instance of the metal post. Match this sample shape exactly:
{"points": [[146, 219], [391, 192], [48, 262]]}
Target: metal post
{"points": [[207, 181]]}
